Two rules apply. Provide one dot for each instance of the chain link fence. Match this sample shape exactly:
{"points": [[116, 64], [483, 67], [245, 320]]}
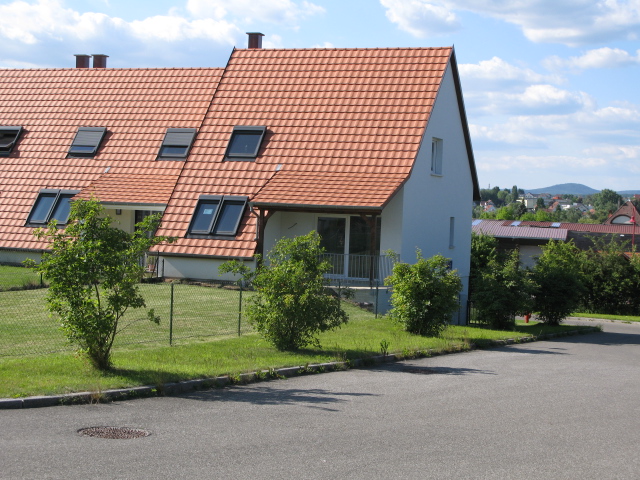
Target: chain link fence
{"points": [[188, 312]]}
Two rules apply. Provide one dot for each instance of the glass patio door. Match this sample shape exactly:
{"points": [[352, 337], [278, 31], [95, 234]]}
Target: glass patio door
{"points": [[332, 231]]}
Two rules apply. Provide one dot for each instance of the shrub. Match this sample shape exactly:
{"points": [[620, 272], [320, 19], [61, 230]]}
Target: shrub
{"points": [[501, 291], [558, 281], [291, 305], [93, 270], [425, 294]]}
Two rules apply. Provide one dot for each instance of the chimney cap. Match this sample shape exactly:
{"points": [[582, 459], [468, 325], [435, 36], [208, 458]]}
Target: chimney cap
{"points": [[82, 60], [255, 39], [100, 60]]}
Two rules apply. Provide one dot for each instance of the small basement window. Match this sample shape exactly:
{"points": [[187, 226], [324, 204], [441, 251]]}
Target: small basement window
{"points": [[245, 143], [87, 141], [217, 215], [177, 143], [8, 139], [51, 205]]}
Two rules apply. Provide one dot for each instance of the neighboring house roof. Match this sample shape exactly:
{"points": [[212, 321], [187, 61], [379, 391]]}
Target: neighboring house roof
{"points": [[507, 229], [579, 227], [624, 214], [342, 131], [135, 105]]}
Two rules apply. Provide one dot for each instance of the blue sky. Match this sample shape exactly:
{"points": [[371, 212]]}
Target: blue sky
{"points": [[551, 86]]}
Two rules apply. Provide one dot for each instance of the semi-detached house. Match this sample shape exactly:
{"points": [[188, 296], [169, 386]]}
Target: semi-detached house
{"points": [[370, 147]]}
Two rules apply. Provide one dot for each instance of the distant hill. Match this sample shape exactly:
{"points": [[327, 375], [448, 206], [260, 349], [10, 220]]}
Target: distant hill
{"points": [[565, 188]]}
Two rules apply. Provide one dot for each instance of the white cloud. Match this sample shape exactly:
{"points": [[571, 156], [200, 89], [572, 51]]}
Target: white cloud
{"points": [[599, 58], [255, 11], [421, 18], [496, 74], [571, 22]]}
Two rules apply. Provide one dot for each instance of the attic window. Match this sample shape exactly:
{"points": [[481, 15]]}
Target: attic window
{"points": [[177, 143], [245, 143], [217, 215], [51, 205], [8, 138], [87, 141]]}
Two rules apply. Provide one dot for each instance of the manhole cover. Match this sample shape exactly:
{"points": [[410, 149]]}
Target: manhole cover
{"points": [[113, 432]]}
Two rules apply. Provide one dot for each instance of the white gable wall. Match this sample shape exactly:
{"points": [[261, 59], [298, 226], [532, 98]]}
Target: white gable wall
{"points": [[430, 201]]}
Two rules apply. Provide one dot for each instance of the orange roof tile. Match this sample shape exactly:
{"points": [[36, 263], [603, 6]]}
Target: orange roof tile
{"points": [[135, 105], [344, 125]]}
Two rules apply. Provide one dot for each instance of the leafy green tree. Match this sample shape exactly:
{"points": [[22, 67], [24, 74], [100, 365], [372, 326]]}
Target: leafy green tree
{"points": [[291, 305], [484, 249], [612, 281], [93, 271], [558, 281], [606, 202], [502, 290], [540, 204], [425, 294]]}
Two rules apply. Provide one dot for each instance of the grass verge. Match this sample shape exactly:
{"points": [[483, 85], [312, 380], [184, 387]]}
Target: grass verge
{"points": [[153, 365], [604, 316]]}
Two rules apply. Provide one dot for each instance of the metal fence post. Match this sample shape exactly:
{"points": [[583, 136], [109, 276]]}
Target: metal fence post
{"points": [[171, 318], [240, 308], [377, 283]]}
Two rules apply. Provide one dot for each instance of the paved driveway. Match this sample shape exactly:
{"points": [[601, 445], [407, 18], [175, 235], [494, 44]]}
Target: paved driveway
{"points": [[568, 408]]}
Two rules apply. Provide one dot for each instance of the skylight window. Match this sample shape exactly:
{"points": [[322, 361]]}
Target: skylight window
{"points": [[177, 143], [51, 205], [87, 141], [217, 215], [245, 143], [8, 138]]}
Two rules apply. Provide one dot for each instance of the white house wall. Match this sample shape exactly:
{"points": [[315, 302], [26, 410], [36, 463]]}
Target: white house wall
{"points": [[430, 201]]}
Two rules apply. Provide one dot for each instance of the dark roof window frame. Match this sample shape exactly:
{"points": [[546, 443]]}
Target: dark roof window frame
{"points": [[177, 143], [51, 204], [245, 142], [8, 138], [87, 141], [217, 216]]}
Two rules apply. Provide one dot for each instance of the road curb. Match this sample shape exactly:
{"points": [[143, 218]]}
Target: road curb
{"points": [[187, 386]]}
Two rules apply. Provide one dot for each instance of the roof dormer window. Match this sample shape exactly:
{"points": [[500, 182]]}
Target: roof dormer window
{"points": [[87, 141], [8, 139], [217, 215], [51, 205], [177, 143], [245, 143]]}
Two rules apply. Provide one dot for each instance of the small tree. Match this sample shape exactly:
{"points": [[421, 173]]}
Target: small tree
{"points": [[93, 271], [425, 294], [558, 281], [501, 291], [292, 305]]}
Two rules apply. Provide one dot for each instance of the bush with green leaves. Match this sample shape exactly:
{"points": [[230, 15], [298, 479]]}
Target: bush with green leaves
{"points": [[291, 305], [612, 280], [558, 281], [502, 290], [424, 294], [93, 270]]}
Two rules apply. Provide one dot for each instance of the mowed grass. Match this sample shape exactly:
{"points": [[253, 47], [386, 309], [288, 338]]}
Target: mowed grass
{"points": [[145, 364], [198, 312], [17, 277], [604, 316]]}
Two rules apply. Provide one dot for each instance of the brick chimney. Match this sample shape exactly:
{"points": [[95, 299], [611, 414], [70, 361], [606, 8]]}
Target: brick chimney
{"points": [[255, 39], [100, 60], [82, 60]]}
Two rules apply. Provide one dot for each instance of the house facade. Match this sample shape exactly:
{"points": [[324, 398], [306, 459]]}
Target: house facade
{"points": [[357, 144]]}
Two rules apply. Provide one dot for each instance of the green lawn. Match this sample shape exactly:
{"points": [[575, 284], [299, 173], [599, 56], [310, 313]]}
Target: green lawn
{"points": [[198, 312], [155, 365], [622, 318], [17, 277]]}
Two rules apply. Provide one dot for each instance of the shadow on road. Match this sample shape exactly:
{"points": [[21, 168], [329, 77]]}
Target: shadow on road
{"points": [[270, 394]]}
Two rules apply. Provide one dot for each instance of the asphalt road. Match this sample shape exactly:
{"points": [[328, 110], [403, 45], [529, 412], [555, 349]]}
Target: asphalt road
{"points": [[568, 408]]}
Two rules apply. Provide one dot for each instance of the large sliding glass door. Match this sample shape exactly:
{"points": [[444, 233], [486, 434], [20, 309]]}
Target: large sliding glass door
{"points": [[347, 245]]}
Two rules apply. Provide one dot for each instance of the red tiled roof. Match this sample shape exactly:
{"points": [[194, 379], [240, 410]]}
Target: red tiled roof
{"points": [[343, 130], [135, 105], [343, 125], [578, 227]]}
